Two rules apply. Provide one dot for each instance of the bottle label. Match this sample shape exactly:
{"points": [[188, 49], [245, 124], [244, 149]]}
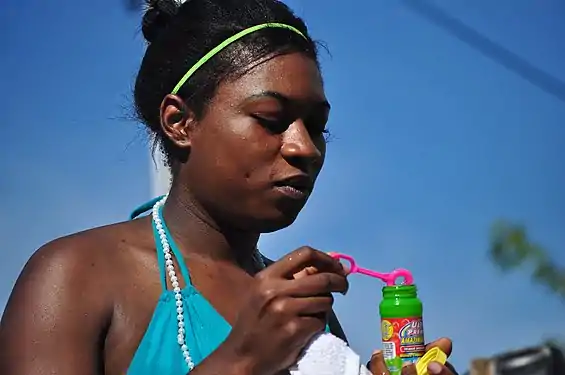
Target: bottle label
{"points": [[403, 342]]}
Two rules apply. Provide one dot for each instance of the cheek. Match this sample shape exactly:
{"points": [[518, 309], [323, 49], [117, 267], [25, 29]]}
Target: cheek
{"points": [[259, 159], [246, 150], [321, 145]]}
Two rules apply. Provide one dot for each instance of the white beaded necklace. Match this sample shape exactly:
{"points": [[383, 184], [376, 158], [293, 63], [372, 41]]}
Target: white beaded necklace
{"points": [[181, 338]]}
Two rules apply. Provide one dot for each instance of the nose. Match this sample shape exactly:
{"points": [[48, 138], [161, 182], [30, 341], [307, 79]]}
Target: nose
{"points": [[299, 149]]}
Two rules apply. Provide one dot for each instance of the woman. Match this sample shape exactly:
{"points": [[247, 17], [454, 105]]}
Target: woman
{"points": [[232, 92]]}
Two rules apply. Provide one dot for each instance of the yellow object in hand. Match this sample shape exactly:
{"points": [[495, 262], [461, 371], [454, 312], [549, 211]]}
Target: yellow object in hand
{"points": [[432, 355]]}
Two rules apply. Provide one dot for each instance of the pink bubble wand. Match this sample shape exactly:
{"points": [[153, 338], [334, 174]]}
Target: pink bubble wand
{"points": [[388, 278]]}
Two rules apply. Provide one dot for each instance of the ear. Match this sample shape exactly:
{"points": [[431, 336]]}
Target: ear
{"points": [[177, 121]]}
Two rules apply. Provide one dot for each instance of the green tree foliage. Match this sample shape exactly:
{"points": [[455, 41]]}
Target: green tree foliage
{"points": [[511, 248]]}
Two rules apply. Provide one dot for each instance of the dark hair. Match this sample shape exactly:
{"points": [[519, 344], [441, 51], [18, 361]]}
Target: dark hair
{"points": [[179, 36]]}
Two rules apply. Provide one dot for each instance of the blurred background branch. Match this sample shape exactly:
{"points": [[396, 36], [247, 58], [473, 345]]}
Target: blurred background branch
{"points": [[512, 248]]}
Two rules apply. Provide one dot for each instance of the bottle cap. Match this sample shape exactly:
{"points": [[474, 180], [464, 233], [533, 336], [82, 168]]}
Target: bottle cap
{"points": [[432, 355]]}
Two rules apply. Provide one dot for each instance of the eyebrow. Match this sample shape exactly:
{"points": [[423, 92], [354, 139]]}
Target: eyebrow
{"points": [[283, 98]]}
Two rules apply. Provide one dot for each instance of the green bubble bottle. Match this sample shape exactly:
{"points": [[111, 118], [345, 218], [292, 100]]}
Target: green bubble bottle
{"points": [[401, 326], [401, 320]]}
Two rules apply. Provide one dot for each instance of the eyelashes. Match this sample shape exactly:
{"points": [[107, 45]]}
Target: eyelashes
{"points": [[276, 126], [279, 126], [327, 135]]}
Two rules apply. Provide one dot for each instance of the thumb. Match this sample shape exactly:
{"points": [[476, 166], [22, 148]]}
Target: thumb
{"points": [[305, 272]]}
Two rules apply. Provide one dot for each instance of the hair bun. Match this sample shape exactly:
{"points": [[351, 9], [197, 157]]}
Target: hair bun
{"points": [[157, 16]]}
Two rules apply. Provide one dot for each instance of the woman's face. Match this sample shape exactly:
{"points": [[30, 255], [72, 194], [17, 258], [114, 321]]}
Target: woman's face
{"points": [[258, 149]]}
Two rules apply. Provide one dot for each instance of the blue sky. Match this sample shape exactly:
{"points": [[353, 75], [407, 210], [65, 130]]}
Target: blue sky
{"points": [[432, 142]]}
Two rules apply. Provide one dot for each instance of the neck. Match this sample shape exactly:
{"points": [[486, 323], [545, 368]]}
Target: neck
{"points": [[198, 234]]}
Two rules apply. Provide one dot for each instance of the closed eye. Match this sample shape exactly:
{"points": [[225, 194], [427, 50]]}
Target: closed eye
{"points": [[279, 126], [274, 125], [316, 123]]}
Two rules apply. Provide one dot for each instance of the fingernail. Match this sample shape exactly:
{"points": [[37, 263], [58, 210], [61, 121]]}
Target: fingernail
{"points": [[434, 368]]}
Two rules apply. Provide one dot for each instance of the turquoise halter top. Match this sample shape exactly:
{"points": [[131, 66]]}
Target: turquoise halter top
{"points": [[206, 329]]}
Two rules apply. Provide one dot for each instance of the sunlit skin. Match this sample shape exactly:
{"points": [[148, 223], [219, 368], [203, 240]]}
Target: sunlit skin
{"points": [[258, 131], [252, 161], [106, 281]]}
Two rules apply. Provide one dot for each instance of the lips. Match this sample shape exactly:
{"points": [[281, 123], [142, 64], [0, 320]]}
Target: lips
{"points": [[295, 187]]}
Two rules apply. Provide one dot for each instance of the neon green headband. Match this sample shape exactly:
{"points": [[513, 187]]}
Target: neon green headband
{"points": [[226, 43]]}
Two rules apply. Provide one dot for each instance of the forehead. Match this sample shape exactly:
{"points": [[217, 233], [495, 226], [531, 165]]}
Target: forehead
{"points": [[293, 75]]}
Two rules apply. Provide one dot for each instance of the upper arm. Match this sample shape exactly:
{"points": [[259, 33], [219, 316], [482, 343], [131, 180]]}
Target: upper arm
{"points": [[53, 322]]}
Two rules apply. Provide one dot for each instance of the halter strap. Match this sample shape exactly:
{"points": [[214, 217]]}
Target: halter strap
{"points": [[176, 252], [143, 208], [179, 260]]}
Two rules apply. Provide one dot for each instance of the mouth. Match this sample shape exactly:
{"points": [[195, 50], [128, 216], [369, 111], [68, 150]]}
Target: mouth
{"points": [[296, 187]]}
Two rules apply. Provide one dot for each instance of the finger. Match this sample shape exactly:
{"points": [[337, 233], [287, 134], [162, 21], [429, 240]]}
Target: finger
{"points": [[304, 327], [298, 260], [306, 272], [346, 268], [303, 306], [377, 364], [315, 285], [445, 344], [409, 369], [312, 270], [436, 368]]}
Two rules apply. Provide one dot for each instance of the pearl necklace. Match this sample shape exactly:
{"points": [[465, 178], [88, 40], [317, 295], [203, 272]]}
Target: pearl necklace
{"points": [[181, 338]]}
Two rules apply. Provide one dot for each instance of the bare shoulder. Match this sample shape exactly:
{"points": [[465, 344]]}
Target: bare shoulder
{"points": [[78, 262], [61, 303]]}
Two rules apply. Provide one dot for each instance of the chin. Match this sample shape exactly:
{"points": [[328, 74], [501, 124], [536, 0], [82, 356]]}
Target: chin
{"points": [[276, 219], [274, 224], [270, 217]]}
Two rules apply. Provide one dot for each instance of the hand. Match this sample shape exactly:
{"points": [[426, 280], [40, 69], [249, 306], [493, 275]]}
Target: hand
{"points": [[377, 364], [284, 312]]}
